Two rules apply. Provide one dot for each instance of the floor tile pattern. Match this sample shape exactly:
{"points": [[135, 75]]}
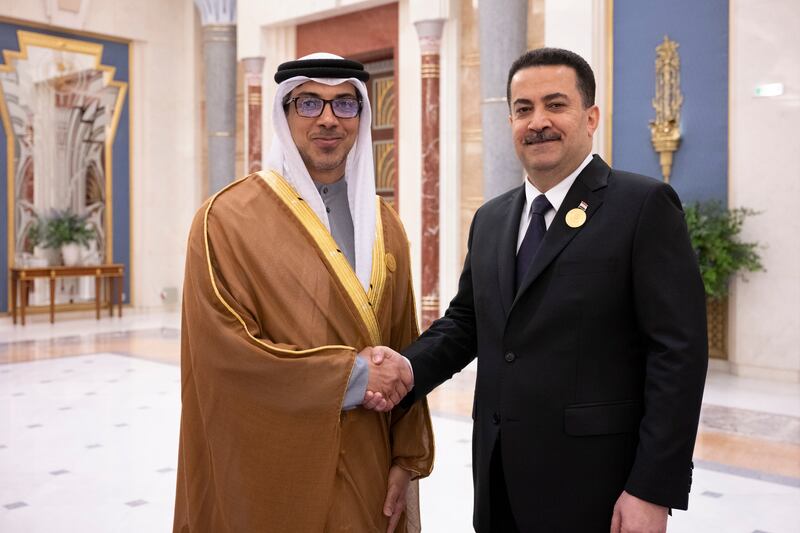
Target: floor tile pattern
{"points": [[89, 427], [94, 467]]}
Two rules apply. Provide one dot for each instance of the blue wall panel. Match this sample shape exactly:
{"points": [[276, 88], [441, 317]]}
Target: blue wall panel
{"points": [[114, 54], [700, 166], [4, 259], [121, 197]]}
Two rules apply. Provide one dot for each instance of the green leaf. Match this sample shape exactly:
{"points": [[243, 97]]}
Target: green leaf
{"points": [[64, 227], [714, 233]]}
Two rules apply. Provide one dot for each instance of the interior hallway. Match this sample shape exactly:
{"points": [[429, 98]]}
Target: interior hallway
{"points": [[89, 428]]}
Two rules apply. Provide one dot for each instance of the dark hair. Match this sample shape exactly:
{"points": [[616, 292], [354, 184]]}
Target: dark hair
{"points": [[556, 56]]}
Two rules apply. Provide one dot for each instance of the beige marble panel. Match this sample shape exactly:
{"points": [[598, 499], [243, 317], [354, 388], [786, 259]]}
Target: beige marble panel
{"points": [[535, 24], [472, 180], [471, 93], [763, 171], [240, 169], [470, 43], [471, 148]]}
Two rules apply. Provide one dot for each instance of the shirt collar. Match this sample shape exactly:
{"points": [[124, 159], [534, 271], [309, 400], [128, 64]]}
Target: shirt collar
{"points": [[557, 194], [331, 188]]}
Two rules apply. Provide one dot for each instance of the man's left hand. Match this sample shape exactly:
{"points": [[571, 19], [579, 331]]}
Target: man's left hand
{"points": [[395, 504], [374, 398], [634, 515]]}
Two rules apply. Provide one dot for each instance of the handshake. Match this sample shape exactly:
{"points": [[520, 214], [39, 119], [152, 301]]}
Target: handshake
{"points": [[390, 378]]}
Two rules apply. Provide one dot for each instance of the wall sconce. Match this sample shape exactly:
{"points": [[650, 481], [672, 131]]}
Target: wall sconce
{"points": [[665, 130]]}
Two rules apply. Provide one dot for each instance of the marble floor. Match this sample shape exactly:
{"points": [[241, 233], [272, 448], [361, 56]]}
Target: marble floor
{"points": [[89, 425]]}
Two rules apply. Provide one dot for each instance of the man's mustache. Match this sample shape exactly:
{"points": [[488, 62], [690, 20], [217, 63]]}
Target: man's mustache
{"points": [[540, 137]]}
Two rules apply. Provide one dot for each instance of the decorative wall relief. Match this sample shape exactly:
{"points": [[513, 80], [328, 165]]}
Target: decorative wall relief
{"points": [[381, 88], [665, 130], [62, 106]]}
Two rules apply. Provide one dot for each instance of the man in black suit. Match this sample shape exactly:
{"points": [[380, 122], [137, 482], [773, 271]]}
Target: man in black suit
{"points": [[582, 300]]}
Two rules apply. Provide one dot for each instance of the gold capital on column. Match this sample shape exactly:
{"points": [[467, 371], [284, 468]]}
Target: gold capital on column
{"points": [[431, 71]]}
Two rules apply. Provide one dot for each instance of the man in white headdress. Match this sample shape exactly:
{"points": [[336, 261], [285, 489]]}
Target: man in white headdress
{"points": [[290, 274]]}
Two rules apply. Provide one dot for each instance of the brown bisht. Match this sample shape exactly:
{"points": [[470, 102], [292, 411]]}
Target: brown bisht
{"points": [[273, 316]]}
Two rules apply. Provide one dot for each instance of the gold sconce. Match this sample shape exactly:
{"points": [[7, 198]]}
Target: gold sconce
{"points": [[665, 130]]}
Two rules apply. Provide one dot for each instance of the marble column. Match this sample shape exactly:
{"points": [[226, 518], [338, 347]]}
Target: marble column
{"points": [[219, 55], [253, 73], [430, 38], [503, 28]]}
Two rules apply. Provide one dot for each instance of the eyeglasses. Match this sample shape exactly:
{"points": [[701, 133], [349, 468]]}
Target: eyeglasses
{"points": [[312, 106]]}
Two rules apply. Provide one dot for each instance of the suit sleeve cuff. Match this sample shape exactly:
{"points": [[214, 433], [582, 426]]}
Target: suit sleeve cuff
{"points": [[410, 368]]}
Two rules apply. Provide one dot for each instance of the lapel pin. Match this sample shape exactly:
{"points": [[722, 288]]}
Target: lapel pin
{"points": [[577, 216]]}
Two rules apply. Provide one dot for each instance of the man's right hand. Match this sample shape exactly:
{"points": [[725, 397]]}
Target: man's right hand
{"points": [[634, 515], [390, 378]]}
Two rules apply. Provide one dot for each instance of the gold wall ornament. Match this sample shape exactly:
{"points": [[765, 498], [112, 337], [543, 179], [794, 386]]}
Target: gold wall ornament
{"points": [[665, 130]]}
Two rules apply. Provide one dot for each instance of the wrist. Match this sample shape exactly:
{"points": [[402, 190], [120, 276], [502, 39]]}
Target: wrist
{"points": [[410, 368]]}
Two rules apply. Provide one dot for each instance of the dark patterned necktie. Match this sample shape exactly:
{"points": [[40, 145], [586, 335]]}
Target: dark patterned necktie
{"points": [[533, 237]]}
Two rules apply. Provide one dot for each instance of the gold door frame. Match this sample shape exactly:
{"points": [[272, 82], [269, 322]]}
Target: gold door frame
{"points": [[28, 38]]}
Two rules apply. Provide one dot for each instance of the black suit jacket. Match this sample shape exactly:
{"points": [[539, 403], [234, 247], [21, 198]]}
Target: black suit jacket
{"points": [[594, 370]]}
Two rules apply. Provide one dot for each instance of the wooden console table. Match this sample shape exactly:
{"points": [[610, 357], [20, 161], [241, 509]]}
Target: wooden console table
{"points": [[21, 277]]}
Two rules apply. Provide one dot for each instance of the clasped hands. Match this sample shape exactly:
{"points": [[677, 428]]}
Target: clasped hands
{"points": [[390, 378]]}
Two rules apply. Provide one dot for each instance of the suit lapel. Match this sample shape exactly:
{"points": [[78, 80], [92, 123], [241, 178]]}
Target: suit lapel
{"points": [[559, 234], [507, 247]]}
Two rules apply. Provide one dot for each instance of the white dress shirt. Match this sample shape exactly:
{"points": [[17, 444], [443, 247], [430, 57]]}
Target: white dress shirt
{"points": [[555, 196]]}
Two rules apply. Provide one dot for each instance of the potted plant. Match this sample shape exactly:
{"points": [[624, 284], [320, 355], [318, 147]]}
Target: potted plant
{"points": [[68, 231], [36, 235], [714, 233]]}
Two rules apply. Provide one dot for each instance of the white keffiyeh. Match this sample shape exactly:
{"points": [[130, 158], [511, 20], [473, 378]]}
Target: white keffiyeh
{"points": [[359, 173]]}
